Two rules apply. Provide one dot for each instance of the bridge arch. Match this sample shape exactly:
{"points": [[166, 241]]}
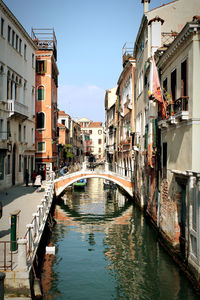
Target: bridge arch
{"points": [[63, 182]]}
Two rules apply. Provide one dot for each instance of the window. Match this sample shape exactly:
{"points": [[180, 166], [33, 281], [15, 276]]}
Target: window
{"points": [[1, 129], [13, 38], [20, 46], [20, 133], [9, 33], [40, 93], [20, 163], [41, 146], [2, 26], [8, 164], [24, 51], [184, 78], [33, 60], [99, 131], [40, 120], [8, 129], [99, 150], [173, 85], [63, 122], [99, 141], [165, 85], [90, 131], [16, 89], [24, 133], [32, 136], [41, 66], [1, 166], [16, 42], [164, 160]]}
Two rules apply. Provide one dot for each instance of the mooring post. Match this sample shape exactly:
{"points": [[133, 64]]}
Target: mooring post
{"points": [[2, 277], [30, 236], [22, 247]]}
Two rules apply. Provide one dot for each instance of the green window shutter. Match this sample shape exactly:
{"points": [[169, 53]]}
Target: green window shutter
{"points": [[146, 137], [41, 93]]}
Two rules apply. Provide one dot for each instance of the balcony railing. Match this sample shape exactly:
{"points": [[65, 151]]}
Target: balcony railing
{"points": [[168, 38], [179, 106], [17, 108]]}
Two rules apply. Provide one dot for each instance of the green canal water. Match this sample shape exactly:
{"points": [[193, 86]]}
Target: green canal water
{"points": [[106, 250]]}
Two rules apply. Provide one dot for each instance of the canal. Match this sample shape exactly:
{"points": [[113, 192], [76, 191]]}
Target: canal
{"points": [[106, 250]]}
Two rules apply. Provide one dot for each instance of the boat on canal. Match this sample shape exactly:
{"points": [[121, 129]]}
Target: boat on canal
{"points": [[80, 184]]}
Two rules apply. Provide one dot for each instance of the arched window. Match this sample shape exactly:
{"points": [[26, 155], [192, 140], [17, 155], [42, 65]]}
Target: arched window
{"points": [[40, 120], [8, 85], [16, 88], [40, 95]]}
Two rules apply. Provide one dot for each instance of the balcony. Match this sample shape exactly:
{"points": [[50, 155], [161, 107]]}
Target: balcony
{"points": [[17, 109], [179, 109], [128, 103], [168, 38]]}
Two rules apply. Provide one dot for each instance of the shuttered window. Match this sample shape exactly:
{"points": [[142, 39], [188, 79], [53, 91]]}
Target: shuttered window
{"points": [[41, 146], [40, 93], [41, 66]]}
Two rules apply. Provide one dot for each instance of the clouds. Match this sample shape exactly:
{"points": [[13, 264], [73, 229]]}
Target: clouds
{"points": [[82, 101]]}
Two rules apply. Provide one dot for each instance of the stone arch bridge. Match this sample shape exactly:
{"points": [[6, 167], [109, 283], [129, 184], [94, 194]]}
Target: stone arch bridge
{"points": [[63, 182]]}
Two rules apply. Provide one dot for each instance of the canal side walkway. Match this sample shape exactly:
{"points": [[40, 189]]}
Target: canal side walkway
{"points": [[18, 198], [23, 200]]}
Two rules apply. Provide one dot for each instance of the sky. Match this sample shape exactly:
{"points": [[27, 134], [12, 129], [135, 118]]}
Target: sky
{"points": [[90, 37]]}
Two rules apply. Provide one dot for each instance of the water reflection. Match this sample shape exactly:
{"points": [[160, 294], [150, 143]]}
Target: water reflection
{"points": [[105, 250]]}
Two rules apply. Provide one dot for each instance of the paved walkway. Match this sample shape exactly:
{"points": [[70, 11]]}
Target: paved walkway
{"points": [[21, 198]]}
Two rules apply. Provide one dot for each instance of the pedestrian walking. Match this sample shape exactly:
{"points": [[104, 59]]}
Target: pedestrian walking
{"points": [[38, 182], [26, 177], [33, 176]]}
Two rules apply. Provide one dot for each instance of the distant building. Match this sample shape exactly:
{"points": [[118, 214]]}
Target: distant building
{"points": [[17, 100], [64, 146], [46, 100], [94, 131], [110, 126]]}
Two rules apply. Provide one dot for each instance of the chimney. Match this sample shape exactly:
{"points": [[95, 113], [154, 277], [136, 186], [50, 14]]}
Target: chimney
{"points": [[146, 5]]}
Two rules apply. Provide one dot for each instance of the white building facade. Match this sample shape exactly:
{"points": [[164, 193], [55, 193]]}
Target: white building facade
{"points": [[17, 100]]}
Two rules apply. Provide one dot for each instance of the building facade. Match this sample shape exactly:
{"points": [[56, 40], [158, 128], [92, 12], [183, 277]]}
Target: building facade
{"points": [[17, 100], [46, 100], [180, 165], [110, 129]]}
